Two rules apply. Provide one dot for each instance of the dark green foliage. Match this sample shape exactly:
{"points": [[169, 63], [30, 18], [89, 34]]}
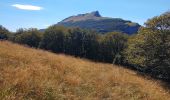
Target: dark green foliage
{"points": [[30, 37], [111, 47], [4, 33], [150, 48], [90, 44], [81, 43], [53, 39], [76, 42], [85, 43]]}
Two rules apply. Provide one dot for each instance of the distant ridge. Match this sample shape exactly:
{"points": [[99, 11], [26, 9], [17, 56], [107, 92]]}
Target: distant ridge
{"points": [[93, 15], [95, 21]]}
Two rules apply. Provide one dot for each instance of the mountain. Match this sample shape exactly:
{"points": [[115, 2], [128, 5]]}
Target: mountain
{"points": [[95, 21], [31, 74]]}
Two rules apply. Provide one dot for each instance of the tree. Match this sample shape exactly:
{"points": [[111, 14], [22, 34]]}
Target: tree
{"points": [[149, 50], [90, 44], [4, 33], [112, 45], [30, 37], [54, 38], [76, 39]]}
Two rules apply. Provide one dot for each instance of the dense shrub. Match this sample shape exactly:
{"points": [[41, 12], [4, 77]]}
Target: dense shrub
{"points": [[81, 43], [85, 43], [30, 37], [111, 47], [53, 39], [4, 33]]}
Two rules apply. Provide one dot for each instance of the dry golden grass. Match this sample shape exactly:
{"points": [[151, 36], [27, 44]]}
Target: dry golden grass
{"points": [[31, 74]]}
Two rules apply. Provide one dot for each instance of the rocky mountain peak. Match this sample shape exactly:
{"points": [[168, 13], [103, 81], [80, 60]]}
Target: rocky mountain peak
{"points": [[95, 13]]}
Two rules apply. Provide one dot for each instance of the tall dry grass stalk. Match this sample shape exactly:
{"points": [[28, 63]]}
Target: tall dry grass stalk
{"points": [[27, 73]]}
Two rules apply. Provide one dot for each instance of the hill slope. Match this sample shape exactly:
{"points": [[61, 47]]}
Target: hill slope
{"points": [[27, 73], [96, 22]]}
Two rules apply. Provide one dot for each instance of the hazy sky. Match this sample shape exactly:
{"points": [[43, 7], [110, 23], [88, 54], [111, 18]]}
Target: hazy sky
{"points": [[15, 14]]}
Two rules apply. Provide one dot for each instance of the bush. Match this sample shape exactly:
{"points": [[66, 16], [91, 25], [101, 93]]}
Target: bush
{"points": [[53, 39], [30, 37], [4, 33], [111, 47]]}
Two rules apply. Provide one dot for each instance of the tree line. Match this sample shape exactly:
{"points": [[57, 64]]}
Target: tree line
{"points": [[148, 50]]}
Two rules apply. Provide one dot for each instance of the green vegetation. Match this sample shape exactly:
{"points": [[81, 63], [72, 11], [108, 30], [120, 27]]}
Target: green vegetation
{"points": [[53, 39], [85, 43], [4, 33], [30, 37], [149, 50], [111, 47]]}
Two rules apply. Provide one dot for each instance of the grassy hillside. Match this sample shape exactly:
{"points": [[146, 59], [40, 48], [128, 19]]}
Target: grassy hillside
{"points": [[27, 73]]}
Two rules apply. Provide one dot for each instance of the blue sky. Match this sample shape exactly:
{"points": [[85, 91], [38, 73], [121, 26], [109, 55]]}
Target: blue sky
{"points": [[15, 14]]}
